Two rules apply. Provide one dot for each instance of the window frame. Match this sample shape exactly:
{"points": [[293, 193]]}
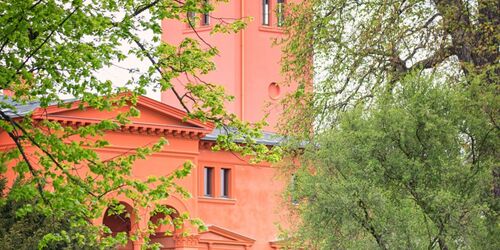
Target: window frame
{"points": [[280, 12], [225, 182], [208, 190], [191, 19], [217, 182], [205, 17], [266, 16]]}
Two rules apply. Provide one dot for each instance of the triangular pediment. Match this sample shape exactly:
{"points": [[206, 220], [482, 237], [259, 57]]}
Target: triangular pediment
{"points": [[220, 235], [153, 114]]}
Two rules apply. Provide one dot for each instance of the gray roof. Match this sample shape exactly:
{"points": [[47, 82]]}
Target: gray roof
{"points": [[268, 138], [22, 109]]}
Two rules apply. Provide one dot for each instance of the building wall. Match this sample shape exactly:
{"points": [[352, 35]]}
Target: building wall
{"points": [[247, 67], [227, 62], [248, 63], [254, 207]]}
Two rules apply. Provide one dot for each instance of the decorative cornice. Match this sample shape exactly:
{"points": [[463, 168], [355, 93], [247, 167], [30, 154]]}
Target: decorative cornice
{"points": [[135, 127], [186, 241], [207, 144], [193, 129]]}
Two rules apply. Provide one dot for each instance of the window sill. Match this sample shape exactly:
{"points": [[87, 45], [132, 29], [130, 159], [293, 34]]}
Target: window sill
{"points": [[271, 29], [218, 200], [198, 29]]}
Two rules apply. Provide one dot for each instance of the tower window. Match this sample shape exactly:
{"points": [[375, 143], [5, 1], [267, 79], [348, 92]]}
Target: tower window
{"points": [[206, 15], [208, 177], [191, 18], [280, 12], [293, 190], [265, 12], [225, 175]]}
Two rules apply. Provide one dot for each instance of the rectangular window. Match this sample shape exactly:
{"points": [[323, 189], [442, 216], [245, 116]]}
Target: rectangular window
{"points": [[206, 16], [208, 177], [206, 19], [225, 175], [293, 190], [265, 12], [191, 18], [280, 12]]}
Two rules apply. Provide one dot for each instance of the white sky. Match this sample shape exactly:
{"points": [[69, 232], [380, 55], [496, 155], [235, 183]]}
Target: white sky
{"points": [[119, 74]]}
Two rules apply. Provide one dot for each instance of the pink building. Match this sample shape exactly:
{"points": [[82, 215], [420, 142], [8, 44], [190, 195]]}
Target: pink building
{"points": [[238, 201], [248, 65]]}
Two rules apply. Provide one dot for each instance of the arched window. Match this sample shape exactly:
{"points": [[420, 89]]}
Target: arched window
{"points": [[118, 222], [163, 224]]}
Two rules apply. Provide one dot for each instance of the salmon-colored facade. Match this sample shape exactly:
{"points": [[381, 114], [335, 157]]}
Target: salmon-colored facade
{"points": [[248, 64], [241, 203]]}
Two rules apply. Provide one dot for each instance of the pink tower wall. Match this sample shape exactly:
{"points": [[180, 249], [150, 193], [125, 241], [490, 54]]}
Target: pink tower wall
{"points": [[248, 62]]}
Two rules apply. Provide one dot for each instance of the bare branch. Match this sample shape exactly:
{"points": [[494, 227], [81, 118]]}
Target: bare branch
{"points": [[432, 61], [191, 25]]}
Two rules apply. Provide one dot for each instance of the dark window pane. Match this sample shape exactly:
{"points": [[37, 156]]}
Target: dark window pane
{"points": [[265, 12], [280, 12], [206, 16], [206, 19], [208, 181], [224, 184]]}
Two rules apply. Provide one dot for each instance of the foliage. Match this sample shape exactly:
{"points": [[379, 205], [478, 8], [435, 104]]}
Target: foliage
{"points": [[413, 170], [394, 123], [25, 232], [52, 48], [359, 47]]}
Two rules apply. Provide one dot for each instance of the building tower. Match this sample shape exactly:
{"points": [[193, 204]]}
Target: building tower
{"points": [[248, 64]]}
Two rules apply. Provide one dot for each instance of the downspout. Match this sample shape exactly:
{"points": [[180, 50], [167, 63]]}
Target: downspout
{"points": [[242, 63]]}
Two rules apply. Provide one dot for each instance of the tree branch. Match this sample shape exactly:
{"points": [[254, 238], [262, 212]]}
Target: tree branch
{"points": [[158, 69], [458, 26], [46, 152], [33, 52], [430, 62], [368, 226], [25, 158]]}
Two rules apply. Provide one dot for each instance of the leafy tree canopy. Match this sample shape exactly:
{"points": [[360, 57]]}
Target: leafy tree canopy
{"points": [[361, 47], [50, 48], [412, 171], [26, 232], [396, 118]]}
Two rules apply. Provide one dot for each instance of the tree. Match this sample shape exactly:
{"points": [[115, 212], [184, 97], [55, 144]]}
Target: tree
{"points": [[51, 48], [25, 232], [397, 129], [412, 171], [360, 47]]}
